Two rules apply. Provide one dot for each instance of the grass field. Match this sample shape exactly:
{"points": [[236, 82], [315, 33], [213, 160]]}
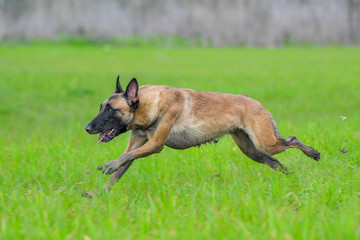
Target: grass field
{"points": [[48, 93]]}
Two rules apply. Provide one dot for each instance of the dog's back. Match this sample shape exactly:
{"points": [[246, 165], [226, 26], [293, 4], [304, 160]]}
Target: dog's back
{"points": [[203, 117]]}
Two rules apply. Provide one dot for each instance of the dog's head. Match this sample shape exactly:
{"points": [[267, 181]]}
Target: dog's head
{"points": [[116, 113]]}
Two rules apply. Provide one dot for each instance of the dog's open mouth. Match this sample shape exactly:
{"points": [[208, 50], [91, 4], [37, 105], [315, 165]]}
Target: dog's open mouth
{"points": [[107, 136]]}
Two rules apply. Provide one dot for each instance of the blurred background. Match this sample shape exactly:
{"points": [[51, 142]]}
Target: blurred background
{"points": [[60, 58], [267, 23]]}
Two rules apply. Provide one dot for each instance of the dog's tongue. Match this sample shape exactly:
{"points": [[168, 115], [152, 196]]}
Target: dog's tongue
{"points": [[102, 135]]}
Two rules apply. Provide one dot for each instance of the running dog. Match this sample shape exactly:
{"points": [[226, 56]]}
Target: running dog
{"points": [[182, 118]]}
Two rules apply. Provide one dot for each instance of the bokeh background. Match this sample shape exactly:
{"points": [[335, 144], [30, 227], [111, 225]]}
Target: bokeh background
{"points": [[210, 22], [59, 60]]}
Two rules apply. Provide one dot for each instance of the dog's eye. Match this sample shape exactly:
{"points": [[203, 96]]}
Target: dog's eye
{"points": [[108, 108]]}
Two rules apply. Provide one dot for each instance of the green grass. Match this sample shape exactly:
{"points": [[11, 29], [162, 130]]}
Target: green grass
{"points": [[48, 93]]}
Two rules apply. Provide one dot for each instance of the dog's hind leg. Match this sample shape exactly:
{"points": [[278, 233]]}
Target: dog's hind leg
{"points": [[267, 139], [248, 148], [309, 151]]}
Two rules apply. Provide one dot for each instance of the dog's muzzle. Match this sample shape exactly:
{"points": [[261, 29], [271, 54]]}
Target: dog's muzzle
{"points": [[90, 129]]}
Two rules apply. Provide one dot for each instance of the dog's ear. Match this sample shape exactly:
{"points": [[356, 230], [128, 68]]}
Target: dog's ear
{"points": [[131, 93], [118, 86]]}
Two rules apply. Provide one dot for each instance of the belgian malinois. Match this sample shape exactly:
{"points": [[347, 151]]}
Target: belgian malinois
{"points": [[183, 118]]}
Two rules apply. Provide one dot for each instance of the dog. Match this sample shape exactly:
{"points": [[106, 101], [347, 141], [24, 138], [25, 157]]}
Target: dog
{"points": [[159, 116]]}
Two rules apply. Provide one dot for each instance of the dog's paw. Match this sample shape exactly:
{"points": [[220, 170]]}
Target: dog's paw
{"points": [[111, 169], [108, 168], [313, 154]]}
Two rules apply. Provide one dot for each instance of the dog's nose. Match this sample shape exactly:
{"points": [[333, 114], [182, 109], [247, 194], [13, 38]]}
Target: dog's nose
{"points": [[88, 128]]}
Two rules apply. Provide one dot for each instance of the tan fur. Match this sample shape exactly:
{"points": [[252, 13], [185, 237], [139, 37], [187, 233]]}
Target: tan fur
{"points": [[183, 118]]}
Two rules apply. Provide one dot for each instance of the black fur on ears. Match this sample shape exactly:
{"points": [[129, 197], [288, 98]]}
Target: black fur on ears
{"points": [[118, 86]]}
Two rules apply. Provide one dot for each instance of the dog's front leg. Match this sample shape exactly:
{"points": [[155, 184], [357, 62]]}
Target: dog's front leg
{"points": [[154, 145], [144, 151], [125, 160], [135, 141]]}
